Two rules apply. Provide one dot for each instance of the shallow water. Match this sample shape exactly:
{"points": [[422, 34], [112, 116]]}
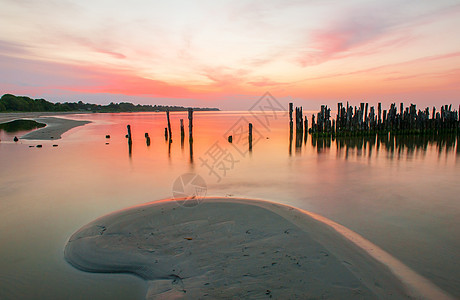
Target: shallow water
{"points": [[398, 193]]}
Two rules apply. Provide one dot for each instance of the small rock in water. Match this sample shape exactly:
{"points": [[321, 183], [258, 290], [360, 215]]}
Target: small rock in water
{"points": [[107, 136], [51, 137], [39, 146], [15, 139], [31, 146], [55, 145], [126, 136], [106, 143]]}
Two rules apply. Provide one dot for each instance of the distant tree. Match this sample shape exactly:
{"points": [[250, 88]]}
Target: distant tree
{"points": [[14, 103]]}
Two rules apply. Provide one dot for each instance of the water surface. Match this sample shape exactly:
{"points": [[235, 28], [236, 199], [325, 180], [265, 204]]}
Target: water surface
{"points": [[399, 193]]}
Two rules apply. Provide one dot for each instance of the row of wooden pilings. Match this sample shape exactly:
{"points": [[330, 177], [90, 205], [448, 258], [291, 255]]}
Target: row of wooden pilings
{"points": [[362, 120], [168, 131]]}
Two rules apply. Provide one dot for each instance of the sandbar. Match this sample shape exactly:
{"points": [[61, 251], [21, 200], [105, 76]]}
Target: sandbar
{"points": [[55, 127], [231, 248]]}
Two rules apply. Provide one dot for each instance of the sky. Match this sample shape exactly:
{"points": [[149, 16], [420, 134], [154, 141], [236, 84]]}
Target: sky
{"points": [[228, 54]]}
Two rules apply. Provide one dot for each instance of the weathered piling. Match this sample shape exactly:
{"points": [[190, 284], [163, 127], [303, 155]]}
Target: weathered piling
{"points": [[305, 129], [363, 120], [169, 125], [190, 124], [130, 141], [298, 119], [291, 105], [129, 131], [250, 136], [147, 139]]}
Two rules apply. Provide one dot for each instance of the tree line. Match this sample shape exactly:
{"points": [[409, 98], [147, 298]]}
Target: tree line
{"points": [[12, 103]]}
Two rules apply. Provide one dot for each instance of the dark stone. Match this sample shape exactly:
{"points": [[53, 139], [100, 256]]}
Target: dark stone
{"points": [[39, 146], [15, 139], [55, 145], [230, 138], [107, 136]]}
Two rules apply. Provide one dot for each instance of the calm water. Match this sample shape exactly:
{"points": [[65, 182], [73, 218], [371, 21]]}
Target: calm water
{"points": [[401, 194]]}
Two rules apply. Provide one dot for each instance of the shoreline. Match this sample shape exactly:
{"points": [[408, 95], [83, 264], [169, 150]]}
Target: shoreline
{"points": [[228, 247], [11, 116]]}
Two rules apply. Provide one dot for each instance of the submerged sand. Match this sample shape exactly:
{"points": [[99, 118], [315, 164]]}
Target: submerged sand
{"points": [[237, 248]]}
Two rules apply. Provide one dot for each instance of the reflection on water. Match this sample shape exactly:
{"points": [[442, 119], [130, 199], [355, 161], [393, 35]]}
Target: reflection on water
{"points": [[400, 193], [20, 125], [393, 145], [18, 128]]}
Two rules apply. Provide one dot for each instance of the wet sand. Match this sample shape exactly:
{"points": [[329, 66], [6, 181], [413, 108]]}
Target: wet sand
{"points": [[55, 127], [228, 247]]}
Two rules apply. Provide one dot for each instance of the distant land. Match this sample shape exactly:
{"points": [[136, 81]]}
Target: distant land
{"points": [[12, 103]]}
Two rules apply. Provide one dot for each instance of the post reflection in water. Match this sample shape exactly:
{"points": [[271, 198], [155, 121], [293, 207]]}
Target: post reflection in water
{"points": [[393, 145], [130, 148], [169, 148], [191, 152], [298, 141]]}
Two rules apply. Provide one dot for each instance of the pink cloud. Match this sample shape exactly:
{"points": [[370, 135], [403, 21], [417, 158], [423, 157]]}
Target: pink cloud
{"points": [[264, 81], [340, 37], [225, 76], [29, 75]]}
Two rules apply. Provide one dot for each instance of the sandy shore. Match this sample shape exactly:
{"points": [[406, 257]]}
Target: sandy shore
{"points": [[55, 127], [238, 248]]}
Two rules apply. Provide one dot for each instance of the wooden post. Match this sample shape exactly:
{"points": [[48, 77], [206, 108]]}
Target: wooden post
{"points": [[250, 136], [306, 129], [306, 124], [130, 141], [129, 131], [291, 105], [169, 125], [190, 124]]}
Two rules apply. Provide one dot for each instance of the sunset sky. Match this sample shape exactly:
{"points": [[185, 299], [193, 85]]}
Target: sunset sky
{"points": [[229, 53]]}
